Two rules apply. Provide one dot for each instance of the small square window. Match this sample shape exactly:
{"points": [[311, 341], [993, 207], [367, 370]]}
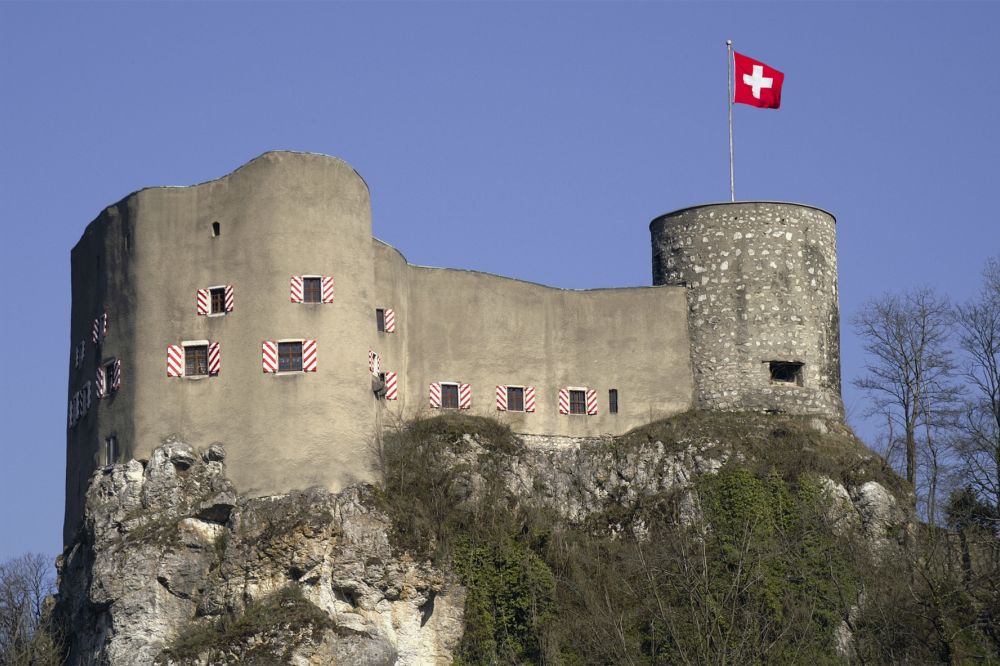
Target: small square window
{"points": [[449, 396], [312, 290], [289, 356], [218, 300], [195, 360], [786, 372], [380, 320], [515, 399], [613, 401], [577, 402], [111, 450]]}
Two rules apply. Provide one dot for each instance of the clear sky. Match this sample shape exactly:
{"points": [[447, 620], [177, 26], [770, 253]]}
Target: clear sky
{"points": [[528, 139]]}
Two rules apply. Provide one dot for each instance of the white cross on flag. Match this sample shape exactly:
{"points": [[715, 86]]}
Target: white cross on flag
{"points": [[756, 83]]}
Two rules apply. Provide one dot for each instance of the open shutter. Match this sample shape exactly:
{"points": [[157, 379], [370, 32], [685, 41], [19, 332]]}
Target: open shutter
{"points": [[501, 398], [229, 298], [591, 401], [296, 289], [96, 330], [464, 396], [72, 405], [327, 289], [373, 362], [99, 382], [391, 383], [435, 395], [204, 302], [390, 320], [175, 361], [116, 382], [564, 401], [269, 356], [309, 356], [214, 359], [529, 398]]}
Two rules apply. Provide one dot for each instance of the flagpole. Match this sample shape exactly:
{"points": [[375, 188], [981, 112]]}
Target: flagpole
{"points": [[732, 185]]}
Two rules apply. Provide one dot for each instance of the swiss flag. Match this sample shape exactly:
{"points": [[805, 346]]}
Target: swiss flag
{"points": [[756, 84]]}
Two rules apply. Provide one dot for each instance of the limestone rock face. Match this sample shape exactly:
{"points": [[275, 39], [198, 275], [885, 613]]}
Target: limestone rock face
{"points": [[170, 552]]}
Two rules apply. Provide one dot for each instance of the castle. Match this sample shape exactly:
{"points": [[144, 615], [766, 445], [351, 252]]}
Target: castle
{"points": [[258, 311]]}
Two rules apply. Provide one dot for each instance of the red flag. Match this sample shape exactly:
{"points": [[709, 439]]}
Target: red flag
{"points": [[756, 84]]}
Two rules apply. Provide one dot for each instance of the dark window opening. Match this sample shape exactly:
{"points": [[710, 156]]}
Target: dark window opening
{"points": [[312, 290], [613, 401], [380, 320], [289, 356], [111, 450], [577, 402], [449, 396], [128, 241], [218, 300], [196, 360], [378, 386], [109, 378], [786, 372], [515, 399], [216, 229]]}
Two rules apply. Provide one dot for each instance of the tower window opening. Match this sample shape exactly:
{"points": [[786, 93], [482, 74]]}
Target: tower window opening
{"points": [[380, 320], [289, 356], [195, 360], [577, 402], [218, 300], [312, 290], [612, 401], [449, 396], [111, 450], [515, 398], [216, 229], [786, 372]]}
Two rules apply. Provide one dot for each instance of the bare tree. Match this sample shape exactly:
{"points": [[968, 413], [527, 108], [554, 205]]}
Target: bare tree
{"points": [[25, 582], [909, 373], [979, 339]]}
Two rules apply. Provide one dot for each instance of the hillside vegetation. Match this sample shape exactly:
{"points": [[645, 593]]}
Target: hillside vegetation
{"points": [[765, 551]]}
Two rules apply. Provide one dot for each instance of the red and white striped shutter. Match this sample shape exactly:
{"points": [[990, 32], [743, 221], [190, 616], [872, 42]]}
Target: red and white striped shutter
{"points": [[591, 401], [464, 396], [230, 298], [309, 362], [296, 289], [86, 396], [116, 382], [501, 398], [99, 381], [373, 363], [72, 402], [564, 401], [214, 358], [104, 325], [327, 289], [435, 395], [96, 330], [391, 386], [529, 398], [204, 302], [269, 355], [390, 320], [175, 361]]}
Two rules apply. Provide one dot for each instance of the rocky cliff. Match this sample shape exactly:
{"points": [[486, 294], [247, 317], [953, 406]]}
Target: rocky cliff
{"points": [[174, 566]]}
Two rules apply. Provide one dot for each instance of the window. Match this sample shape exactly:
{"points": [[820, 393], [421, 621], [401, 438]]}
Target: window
{"points": [[380, 320], [216, 229], [613, 401], [111, 450], [195, 360], [289, 356], [218, 295], [515, 398], [786, 372], [577, 402], [449, 396], [312, 290], [109, 377]]}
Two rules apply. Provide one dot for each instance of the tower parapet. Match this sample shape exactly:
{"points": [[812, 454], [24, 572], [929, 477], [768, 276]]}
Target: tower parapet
{"points": [[763, 316]]}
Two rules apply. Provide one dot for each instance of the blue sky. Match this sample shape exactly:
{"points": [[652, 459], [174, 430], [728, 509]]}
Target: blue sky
{"points": [[535, 140]]}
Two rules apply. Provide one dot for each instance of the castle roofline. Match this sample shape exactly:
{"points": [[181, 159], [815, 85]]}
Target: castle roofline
{"points": [[739, 203]]}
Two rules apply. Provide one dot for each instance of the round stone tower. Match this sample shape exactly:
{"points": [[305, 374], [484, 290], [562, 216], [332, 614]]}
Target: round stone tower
{"points": [[763, 318]]}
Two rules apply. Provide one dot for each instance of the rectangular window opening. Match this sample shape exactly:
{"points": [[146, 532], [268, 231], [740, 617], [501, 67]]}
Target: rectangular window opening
{"points": [[109, 377], [577, 402], [515, 399], [111, 450], [312, 290], [380, 320], [449, 396], [218, 300], [195, 360], [786, 372], [289, 356], [613, 401]]}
